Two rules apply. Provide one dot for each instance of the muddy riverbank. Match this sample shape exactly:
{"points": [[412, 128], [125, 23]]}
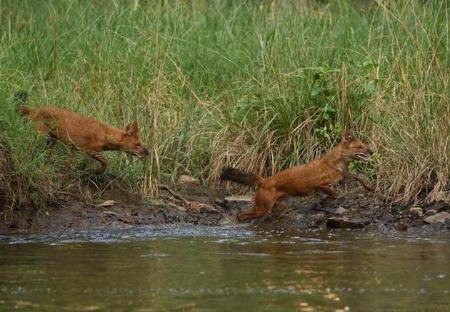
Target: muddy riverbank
{"points": [[354, 209]]}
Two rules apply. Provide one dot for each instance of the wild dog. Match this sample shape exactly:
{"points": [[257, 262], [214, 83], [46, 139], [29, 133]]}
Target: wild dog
{"points": [[316, 175], [83, 133]]}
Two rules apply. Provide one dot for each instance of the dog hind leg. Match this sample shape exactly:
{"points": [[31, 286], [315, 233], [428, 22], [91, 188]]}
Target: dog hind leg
{"points": [[264, 201]]}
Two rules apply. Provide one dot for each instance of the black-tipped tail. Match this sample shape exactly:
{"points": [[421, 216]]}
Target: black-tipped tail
{"points": [[235, 175]]}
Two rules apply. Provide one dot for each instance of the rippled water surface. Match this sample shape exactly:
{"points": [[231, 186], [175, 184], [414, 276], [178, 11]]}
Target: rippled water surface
{"points": [[224, 269]]}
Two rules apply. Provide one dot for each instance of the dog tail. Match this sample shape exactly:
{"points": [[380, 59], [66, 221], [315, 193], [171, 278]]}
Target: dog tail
{"points": [[20, 98], [235, 175]]}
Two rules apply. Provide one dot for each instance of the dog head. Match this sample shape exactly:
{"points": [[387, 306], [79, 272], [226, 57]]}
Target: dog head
{"points": [[353, 149], [131, 143]]}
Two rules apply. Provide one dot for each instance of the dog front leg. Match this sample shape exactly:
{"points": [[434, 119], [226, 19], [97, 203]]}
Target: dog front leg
{"points": [[328, 191], [361, 179], [103, 162]]}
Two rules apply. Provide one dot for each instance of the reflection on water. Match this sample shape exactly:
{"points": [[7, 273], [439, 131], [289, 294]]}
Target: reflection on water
{"points": [[224, 269]]}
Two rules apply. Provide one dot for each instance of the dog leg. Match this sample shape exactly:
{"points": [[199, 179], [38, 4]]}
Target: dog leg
{"points": [[361, 179], [103, 162], [251, 215], [264, 201], [328, 191]]}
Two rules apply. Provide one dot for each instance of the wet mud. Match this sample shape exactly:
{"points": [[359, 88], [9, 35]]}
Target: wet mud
{"points": [[354, 209]]}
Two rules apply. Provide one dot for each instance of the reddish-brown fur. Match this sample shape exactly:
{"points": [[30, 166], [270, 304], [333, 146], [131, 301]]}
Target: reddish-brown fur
{"points": [[317, 175], [85, 134]]}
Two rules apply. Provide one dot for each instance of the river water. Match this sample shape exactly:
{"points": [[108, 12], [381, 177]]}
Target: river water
{"points": [[236, 268]]}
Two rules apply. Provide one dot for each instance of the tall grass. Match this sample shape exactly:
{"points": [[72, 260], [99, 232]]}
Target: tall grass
{"points": [[262, 85]]}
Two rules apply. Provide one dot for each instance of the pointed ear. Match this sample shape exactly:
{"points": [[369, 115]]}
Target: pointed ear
{"points": [[132, 128], [347, 136]]}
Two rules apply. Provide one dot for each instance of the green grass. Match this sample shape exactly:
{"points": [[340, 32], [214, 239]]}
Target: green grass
{"points": [[262, 85]]}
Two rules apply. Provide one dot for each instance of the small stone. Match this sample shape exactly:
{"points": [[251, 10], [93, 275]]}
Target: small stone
{"points": [[440, 217], [431, 212], [347, 223], [442, 196], [186, 180], [401, 226], [416, 211], [318, 217], [340, 211], [207, 207], [239, 202]]}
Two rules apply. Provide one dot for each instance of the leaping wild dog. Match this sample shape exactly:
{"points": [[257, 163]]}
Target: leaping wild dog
{"points": [[316, 175], [85, 134]]}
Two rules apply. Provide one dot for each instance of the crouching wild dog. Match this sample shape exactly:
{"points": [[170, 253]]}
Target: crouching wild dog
{"points": [[83, 133], [317, 175]]}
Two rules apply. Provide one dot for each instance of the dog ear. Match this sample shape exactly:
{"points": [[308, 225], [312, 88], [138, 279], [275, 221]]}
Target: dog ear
{"points": [[132, 128], [347, 136]]}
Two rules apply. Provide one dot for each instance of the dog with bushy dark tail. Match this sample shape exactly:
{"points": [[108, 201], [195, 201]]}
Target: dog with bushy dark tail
{"points": [[316, 175]]}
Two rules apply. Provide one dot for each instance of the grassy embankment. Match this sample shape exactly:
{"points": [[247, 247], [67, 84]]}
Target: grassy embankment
{"points": [[262, 87]]}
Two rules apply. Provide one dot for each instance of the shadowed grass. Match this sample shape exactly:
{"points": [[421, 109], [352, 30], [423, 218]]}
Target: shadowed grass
{"points": [[259, 85]]}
